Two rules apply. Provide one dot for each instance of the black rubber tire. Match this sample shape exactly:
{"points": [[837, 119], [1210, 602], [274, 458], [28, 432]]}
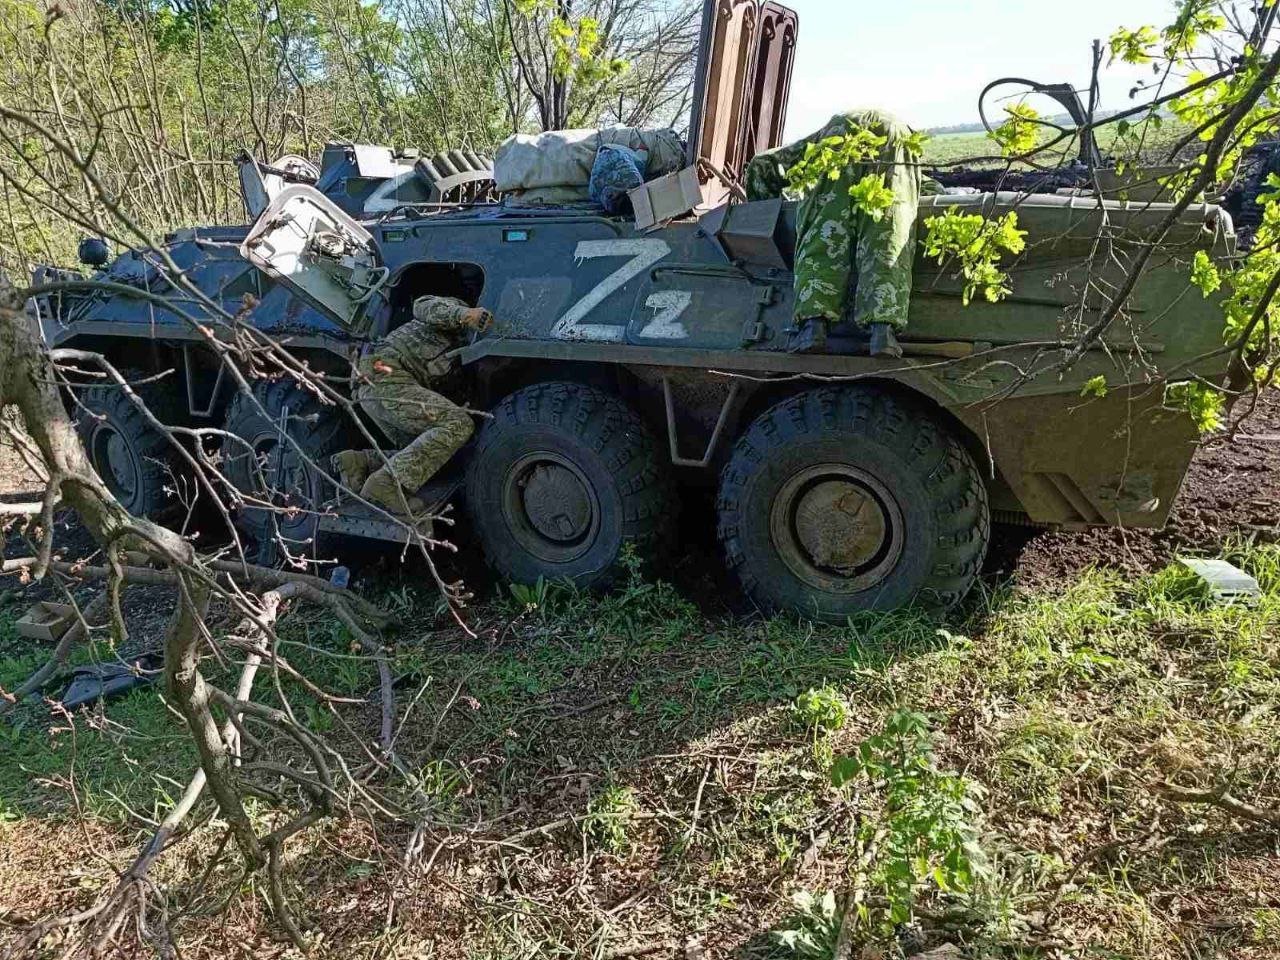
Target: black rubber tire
{"points": [[317, 428], [613, 461], [927, 481], [113, 430]]}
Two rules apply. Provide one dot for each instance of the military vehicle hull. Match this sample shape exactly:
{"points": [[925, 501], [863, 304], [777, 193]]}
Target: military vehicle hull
{"points": [[639, 361]]}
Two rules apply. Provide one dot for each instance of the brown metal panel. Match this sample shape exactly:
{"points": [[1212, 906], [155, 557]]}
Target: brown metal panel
{"points": [[732, 56], [744, 78], [771, 80]]}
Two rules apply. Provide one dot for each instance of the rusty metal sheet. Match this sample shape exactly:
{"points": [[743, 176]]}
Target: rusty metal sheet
{"points": [[771, 80], [742, 86], [726, 62]]}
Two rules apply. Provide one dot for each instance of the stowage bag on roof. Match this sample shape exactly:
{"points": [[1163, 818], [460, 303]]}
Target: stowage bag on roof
{"points": [[563, 158], [616, 173]]}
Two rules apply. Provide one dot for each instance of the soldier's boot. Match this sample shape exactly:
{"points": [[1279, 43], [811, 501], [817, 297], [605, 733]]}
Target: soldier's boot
{"points": [[883, 341], [812, 337], [354, 466], [384, 489]]}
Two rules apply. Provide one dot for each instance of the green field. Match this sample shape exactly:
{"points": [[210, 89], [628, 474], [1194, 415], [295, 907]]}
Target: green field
{"points": [[962, 148]]}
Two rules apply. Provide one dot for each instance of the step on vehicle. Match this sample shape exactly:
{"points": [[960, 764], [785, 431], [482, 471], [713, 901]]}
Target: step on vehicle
{"points": [[628, 364]]}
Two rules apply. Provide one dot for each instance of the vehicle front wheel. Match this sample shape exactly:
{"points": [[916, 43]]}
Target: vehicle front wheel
{"points": [[563, 478], [265, 456], [135, 460], [845, 499]]}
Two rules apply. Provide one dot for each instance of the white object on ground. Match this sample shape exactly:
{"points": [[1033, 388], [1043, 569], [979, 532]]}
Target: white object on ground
{"points": [[1226, 582]]}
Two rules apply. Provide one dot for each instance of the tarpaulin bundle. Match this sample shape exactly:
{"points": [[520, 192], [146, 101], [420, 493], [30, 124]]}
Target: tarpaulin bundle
{"points": [[565, 158]]}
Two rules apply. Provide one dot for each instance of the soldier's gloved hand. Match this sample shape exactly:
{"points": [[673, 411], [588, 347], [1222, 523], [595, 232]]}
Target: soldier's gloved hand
{"points": [[478, 319]]}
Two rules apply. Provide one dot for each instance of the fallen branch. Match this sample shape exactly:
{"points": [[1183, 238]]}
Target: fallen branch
{"points": [[104, 920], [1220, 798]]}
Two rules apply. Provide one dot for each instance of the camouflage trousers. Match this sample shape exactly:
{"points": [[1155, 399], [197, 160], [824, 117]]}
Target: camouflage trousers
{"points": [[428, 426], [839, 249], [843, 257]]}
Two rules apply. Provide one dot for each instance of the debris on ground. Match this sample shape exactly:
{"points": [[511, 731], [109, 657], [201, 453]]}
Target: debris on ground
{"points": [[102, 681], [46, 621], [1227, 583]]}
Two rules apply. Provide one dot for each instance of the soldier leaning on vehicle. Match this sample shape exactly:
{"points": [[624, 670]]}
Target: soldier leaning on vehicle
{"points": [[838, 247], [397, 383]]}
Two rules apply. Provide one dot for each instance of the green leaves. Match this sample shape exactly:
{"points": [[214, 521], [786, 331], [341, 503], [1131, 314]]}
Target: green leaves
{"points": [[608, 817], [1095, 387], [871, 196], [914, 144], [928, 832], [1018, 134], [1196, 20], [1204, 403], [1204, 273], [811, 932], [1272, 194], [828, 159], [1133, 46], [577, 46], [821, 709], [977, 244]]}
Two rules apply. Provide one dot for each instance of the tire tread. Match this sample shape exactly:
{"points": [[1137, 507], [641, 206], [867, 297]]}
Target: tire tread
{"points": [[944, 467], [613, 431], [156, 454]]}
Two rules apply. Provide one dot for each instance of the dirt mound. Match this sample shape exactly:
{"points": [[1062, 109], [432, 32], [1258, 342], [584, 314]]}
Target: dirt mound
{"points": [[1233, 488]]}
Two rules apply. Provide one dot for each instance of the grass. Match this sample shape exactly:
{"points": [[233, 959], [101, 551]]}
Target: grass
{"points": [[668, 776], [954, 148], [117, 764]]}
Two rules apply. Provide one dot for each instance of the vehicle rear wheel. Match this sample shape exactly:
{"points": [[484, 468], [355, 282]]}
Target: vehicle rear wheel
{"points": [[135, 460], [264, 465], [845, 499], [563, 478]]}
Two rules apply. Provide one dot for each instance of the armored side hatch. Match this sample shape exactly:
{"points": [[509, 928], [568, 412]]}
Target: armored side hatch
{"points": [[304, 241]]}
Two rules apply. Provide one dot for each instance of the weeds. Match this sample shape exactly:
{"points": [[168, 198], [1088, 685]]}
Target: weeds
{"points": [[928, 833], [697, 757], [608, 817], [820, 710], [811, 932]]}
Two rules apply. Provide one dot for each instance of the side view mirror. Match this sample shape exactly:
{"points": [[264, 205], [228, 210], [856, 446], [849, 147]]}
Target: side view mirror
{"points": [[94, 252]]}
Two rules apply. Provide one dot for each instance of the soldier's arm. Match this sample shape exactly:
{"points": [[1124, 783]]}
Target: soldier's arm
{"points": [[766, 174], [446, 313]]}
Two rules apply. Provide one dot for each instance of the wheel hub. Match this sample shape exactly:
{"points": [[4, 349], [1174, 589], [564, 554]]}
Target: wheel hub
{"points": [[840, 525], [118, 457], [837, 528], [557, 503], [114, 462], [550, 507]]}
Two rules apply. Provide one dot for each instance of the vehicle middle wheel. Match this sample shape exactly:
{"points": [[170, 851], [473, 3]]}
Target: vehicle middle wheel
{"points": [[264, 464], [563, 478]]}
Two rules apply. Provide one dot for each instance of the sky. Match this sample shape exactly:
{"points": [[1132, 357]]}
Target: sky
{"points": [[927, 60]]}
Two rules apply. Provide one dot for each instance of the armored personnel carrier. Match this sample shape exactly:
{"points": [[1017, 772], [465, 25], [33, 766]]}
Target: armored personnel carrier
{"points": [[628, 364]]}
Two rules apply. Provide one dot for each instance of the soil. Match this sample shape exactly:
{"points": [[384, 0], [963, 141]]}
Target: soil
{"points": [[146, 609], [17, 481], [1232, 490]]}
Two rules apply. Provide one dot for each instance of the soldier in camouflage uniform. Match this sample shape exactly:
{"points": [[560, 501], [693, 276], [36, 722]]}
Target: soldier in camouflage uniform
{"points": [[393, 386], [840, 249]]}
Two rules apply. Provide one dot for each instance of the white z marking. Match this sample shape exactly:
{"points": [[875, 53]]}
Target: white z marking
{"points": [[643, 253], [668, 307]]}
